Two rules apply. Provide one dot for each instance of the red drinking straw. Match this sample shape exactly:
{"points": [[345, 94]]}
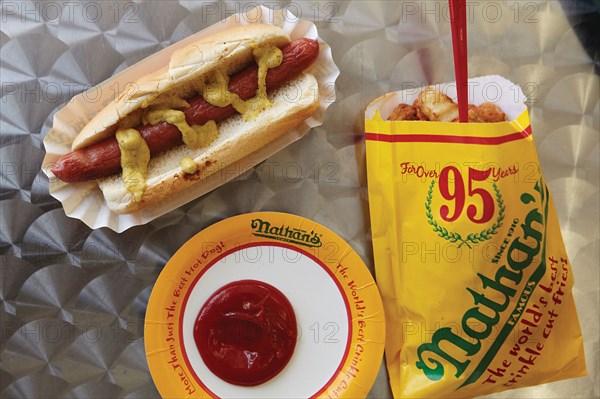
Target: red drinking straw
{"points": [[458, 21]]}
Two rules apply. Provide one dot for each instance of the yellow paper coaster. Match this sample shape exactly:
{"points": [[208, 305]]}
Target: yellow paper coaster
{"points": [[338, 309]]}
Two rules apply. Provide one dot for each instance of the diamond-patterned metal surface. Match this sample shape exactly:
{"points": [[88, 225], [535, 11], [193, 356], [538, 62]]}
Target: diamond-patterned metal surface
{"points": [[73, 299]]}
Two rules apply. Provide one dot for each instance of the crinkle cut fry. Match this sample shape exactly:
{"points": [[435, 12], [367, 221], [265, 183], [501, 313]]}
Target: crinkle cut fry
{"points": [[433, 105]]}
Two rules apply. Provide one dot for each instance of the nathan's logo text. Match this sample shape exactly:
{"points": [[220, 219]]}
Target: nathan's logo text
{"points": [[262, 228], [492, 300]]}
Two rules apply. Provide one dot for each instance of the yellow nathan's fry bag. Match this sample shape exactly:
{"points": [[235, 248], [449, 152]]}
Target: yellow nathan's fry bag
{"points": [[469, 256]]}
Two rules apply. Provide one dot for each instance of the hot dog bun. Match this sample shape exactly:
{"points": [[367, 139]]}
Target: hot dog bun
{"points": [[227, 51], [292, 104]]}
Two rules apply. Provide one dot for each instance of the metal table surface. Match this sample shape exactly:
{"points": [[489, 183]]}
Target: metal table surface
{"points": [[73, 299]]}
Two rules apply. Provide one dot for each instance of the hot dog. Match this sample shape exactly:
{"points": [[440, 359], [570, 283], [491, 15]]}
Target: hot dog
{"points": [[97, 153], [104, 158]]}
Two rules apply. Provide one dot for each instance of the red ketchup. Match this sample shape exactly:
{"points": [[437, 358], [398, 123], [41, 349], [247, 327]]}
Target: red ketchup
{"points": [[246, 332]]}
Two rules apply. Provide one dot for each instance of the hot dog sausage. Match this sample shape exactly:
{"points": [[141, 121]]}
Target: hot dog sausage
{"points": [[104, 158]]}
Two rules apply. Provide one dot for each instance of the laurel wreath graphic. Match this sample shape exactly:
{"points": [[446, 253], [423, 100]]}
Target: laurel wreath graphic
{"points": [[472, 238]]}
